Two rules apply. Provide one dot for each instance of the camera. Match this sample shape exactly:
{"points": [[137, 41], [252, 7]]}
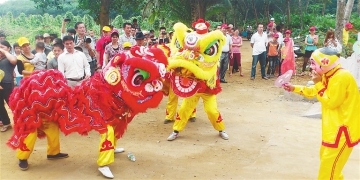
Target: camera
{"points": [[88, 40], [163, 33], [67, 19]]}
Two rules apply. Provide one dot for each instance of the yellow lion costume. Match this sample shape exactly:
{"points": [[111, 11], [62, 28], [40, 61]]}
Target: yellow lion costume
{"points": [[193, 73]]}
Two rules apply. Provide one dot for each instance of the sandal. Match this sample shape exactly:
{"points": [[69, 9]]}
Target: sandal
{"points": [[302, 74], [230, 74], [242, 75], [5, 128]]}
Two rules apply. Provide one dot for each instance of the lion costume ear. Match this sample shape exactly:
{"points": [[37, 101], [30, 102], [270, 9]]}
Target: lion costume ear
{"points": [[112, 74]]}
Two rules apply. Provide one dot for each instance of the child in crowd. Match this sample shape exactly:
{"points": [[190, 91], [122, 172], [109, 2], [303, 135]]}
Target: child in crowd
{"points": [[273, 53], [57, 50], [39, 60], [17, 52]]}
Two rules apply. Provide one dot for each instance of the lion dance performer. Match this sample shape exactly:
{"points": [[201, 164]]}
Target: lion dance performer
{"points": [[106, 103], [193, 73], [337, 91]]}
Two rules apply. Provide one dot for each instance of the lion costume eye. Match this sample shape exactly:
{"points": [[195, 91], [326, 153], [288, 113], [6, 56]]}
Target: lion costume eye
{"points": [[212, 49], [177, 44], [139, 77]]}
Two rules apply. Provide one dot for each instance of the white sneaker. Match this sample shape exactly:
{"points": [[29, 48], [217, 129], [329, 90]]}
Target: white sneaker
{"points": [[119, 150], [106, 172], [173, 136], [223, 135]]}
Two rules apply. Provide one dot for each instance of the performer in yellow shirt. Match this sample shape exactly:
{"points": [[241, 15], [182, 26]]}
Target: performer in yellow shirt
{"points": [[338, 93]]}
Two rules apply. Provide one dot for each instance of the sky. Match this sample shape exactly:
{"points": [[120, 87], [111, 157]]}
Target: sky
{"points": [[2, 1]]}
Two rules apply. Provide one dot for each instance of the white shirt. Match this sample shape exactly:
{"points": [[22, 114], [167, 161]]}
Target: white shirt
{"points": [[280, 39], [73, 65], [123, 38], [228, 42], [260, 42]]}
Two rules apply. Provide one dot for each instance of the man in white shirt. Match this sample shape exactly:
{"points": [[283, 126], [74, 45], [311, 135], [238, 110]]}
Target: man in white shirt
{"points": [[73, 64], [259, 42], [126, 37], [224, 58]]}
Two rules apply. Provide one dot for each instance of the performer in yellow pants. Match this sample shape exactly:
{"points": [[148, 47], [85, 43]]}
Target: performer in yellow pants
{"points": [[171, 107], [333, 160], [51, 129], [338, 93], [210, 107], [107, 148]]}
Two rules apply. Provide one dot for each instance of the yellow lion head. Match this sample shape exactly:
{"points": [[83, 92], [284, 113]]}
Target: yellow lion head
{"points": [[195, 56]]}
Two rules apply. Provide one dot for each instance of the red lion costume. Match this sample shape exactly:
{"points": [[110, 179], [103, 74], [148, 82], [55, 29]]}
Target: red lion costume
{"points": [[130, 84]]}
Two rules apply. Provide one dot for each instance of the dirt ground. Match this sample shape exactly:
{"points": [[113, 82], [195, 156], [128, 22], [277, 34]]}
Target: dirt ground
{"points": [[269, 139]]}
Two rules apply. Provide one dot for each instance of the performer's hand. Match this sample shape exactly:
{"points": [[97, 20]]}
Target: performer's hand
{"points": [[288, 87], [315, 77]]}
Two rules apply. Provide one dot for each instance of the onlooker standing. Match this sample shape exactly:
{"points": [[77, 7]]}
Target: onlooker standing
{"points": [[346, 29], [83, 42], [163, 39], [287, 54], [51, 54], [73, 63], [40, 38], [47, 41], [58, 49], [235, 46], [100, 46], [2, 37], [311, 42], [7, 65], [126, 37], [224, 58], [139, 38], [136, 25], [259, 42], [93, 37], [280, 40], [19, 65], [69, 32], [25, 55], [331, 42], [112, 48], [273, 55], [39, 60]]}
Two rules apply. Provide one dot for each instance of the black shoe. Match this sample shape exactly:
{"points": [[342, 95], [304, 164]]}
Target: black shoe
{"points": [[223, 81], [58, 156], [167, 121], [23, 164], [193, 119]]}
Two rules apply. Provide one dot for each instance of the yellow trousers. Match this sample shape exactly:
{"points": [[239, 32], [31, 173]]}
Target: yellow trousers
{"points": [[333, 160], [51, 129], [172, 104], [210, 107], [107, 146]]}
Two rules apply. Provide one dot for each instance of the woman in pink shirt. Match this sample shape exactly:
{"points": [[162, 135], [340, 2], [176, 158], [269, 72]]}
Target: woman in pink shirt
{"points": [[236, 44]]}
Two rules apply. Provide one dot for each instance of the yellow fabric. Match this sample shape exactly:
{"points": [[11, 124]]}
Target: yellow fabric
{"points": [[195, 59], [210, 107], [50, 56], [171, 106], [340, 104], [345, 37], [333, 160], [27, 66], [51, 129], [107, 157]]}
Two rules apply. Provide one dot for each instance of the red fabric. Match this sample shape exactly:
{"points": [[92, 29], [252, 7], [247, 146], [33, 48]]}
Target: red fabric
{"points": [[100, 47], [91, 106], [237, 57]]}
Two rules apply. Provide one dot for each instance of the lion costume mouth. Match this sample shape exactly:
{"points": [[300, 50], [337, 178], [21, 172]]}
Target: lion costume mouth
{"points": [[184, 86]]}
